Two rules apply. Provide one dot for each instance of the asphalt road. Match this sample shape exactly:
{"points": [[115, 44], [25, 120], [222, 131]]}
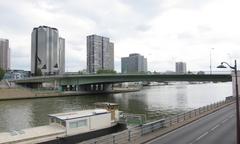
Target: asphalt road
{"points": [[216, 128]]}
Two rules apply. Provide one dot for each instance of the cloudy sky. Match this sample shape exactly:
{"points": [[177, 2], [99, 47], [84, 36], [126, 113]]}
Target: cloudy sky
{"points": [[164, 31]]}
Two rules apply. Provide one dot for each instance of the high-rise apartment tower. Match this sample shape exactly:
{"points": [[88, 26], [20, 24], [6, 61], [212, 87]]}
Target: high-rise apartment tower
{"points": [[48, 51], [181, 68], [100, 54], [4, 54]]}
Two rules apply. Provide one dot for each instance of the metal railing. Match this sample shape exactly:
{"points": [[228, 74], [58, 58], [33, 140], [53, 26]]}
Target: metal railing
{"points": [[137, 134]]}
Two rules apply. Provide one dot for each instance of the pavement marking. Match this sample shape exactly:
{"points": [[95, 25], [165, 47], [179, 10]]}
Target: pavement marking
{"points": [[212, 129], [225, 120], [201, 136]]}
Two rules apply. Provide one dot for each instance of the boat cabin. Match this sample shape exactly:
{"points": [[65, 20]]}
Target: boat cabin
{"points": [[111, 107], [103, 116], [77, 122]]}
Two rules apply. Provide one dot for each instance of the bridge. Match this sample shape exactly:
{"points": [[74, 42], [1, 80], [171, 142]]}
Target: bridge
{"points": [[119, 78], [104, 82]]}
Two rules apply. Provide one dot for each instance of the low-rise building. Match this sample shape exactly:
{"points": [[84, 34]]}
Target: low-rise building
{"points": [[16, 74]]}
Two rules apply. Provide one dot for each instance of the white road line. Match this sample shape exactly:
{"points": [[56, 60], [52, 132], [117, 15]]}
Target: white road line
{"points": [[201, 136], [225, 120], [215, 127]]}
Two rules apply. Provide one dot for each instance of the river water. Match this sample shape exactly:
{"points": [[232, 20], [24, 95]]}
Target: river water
{"points": [[152, 101]]}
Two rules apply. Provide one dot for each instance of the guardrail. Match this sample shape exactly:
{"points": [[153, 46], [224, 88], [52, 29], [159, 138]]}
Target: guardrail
{"points": [[138, 133]]}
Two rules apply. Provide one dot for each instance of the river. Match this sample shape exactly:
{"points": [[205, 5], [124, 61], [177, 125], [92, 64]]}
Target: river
{"points": [[160, 101]]}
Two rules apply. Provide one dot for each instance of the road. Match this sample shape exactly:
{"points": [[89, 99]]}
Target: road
{"points": [[216, 128]]}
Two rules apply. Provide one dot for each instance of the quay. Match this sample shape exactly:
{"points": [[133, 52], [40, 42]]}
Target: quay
{"points": [[151, 132], [24, 93]]}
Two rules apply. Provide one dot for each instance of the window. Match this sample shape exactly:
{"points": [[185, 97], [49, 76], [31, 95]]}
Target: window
{"points": [[73, 124], [82, 123], [58, 121], [63, 123], [76, 124], [52, 120]]}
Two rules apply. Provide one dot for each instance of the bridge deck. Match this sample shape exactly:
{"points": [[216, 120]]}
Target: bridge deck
{"points": [[93, 79]]}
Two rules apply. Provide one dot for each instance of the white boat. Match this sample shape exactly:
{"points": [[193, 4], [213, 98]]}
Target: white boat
{"points": [[104, 116], [62, 125]]}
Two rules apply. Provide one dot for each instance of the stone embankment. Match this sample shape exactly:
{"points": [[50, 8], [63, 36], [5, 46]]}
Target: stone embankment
{"points": [[24, 93]]}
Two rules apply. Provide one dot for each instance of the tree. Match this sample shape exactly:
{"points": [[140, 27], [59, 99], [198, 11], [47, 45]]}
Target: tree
{"points": [[106, 72], [2, 73], [39, 72], [80, 72]]}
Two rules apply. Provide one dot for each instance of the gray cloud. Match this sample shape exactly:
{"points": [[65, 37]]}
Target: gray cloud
{"points": [[185, 35], [143, 27], [192, 4], [12, 20], [204, 28], [163, 28], [146, 8]]}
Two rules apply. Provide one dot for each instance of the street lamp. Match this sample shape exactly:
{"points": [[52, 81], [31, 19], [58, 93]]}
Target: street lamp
{"points": [[237, 97]]}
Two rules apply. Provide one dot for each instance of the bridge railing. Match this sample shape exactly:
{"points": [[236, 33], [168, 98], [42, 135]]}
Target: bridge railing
{"points": [[146, 132]]}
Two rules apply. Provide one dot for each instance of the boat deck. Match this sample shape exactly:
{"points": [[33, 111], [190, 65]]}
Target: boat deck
{"points": [[32, 135]]}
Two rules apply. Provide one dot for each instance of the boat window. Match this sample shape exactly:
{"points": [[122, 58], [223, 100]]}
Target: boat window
{"points": [[73, 124], [52, 120], [58, 121], [82, 123], [63, 123], [76, 124]]}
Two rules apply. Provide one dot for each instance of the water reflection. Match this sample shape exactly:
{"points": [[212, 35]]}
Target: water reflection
{"points": [[181, 97], [15, 116], [158, 101]]}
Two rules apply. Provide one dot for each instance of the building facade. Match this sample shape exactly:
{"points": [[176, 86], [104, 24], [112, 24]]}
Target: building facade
{"points": [[4, 54], [47, 51], [61, 55], [16, 74], [135, 63], [100, 54], [181, 68]]}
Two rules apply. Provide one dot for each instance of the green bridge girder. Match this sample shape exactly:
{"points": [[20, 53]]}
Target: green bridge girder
{"points": [[118, 78]]}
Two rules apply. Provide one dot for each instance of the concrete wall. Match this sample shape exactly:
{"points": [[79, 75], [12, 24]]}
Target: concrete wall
{"points": [[100, 121]]}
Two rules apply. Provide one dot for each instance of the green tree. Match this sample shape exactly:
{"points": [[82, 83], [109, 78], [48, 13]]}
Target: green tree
{"points": [[80, 72], [39, 72], [106, 72], [2, 72]]}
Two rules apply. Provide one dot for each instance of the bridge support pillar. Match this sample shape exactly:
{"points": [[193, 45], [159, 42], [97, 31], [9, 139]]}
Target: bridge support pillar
{"points": [[107, 87], [88, 87]]}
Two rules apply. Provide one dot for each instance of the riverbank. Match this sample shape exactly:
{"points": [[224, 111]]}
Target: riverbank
{"points": [[22, 93], [147, 132]]}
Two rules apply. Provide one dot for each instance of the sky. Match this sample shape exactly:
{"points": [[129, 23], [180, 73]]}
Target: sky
{"points": [[164, 31]]}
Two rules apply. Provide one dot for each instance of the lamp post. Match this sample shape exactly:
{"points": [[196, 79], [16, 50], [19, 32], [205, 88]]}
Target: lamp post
{"points": [[211, 60], [237, 96]]}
